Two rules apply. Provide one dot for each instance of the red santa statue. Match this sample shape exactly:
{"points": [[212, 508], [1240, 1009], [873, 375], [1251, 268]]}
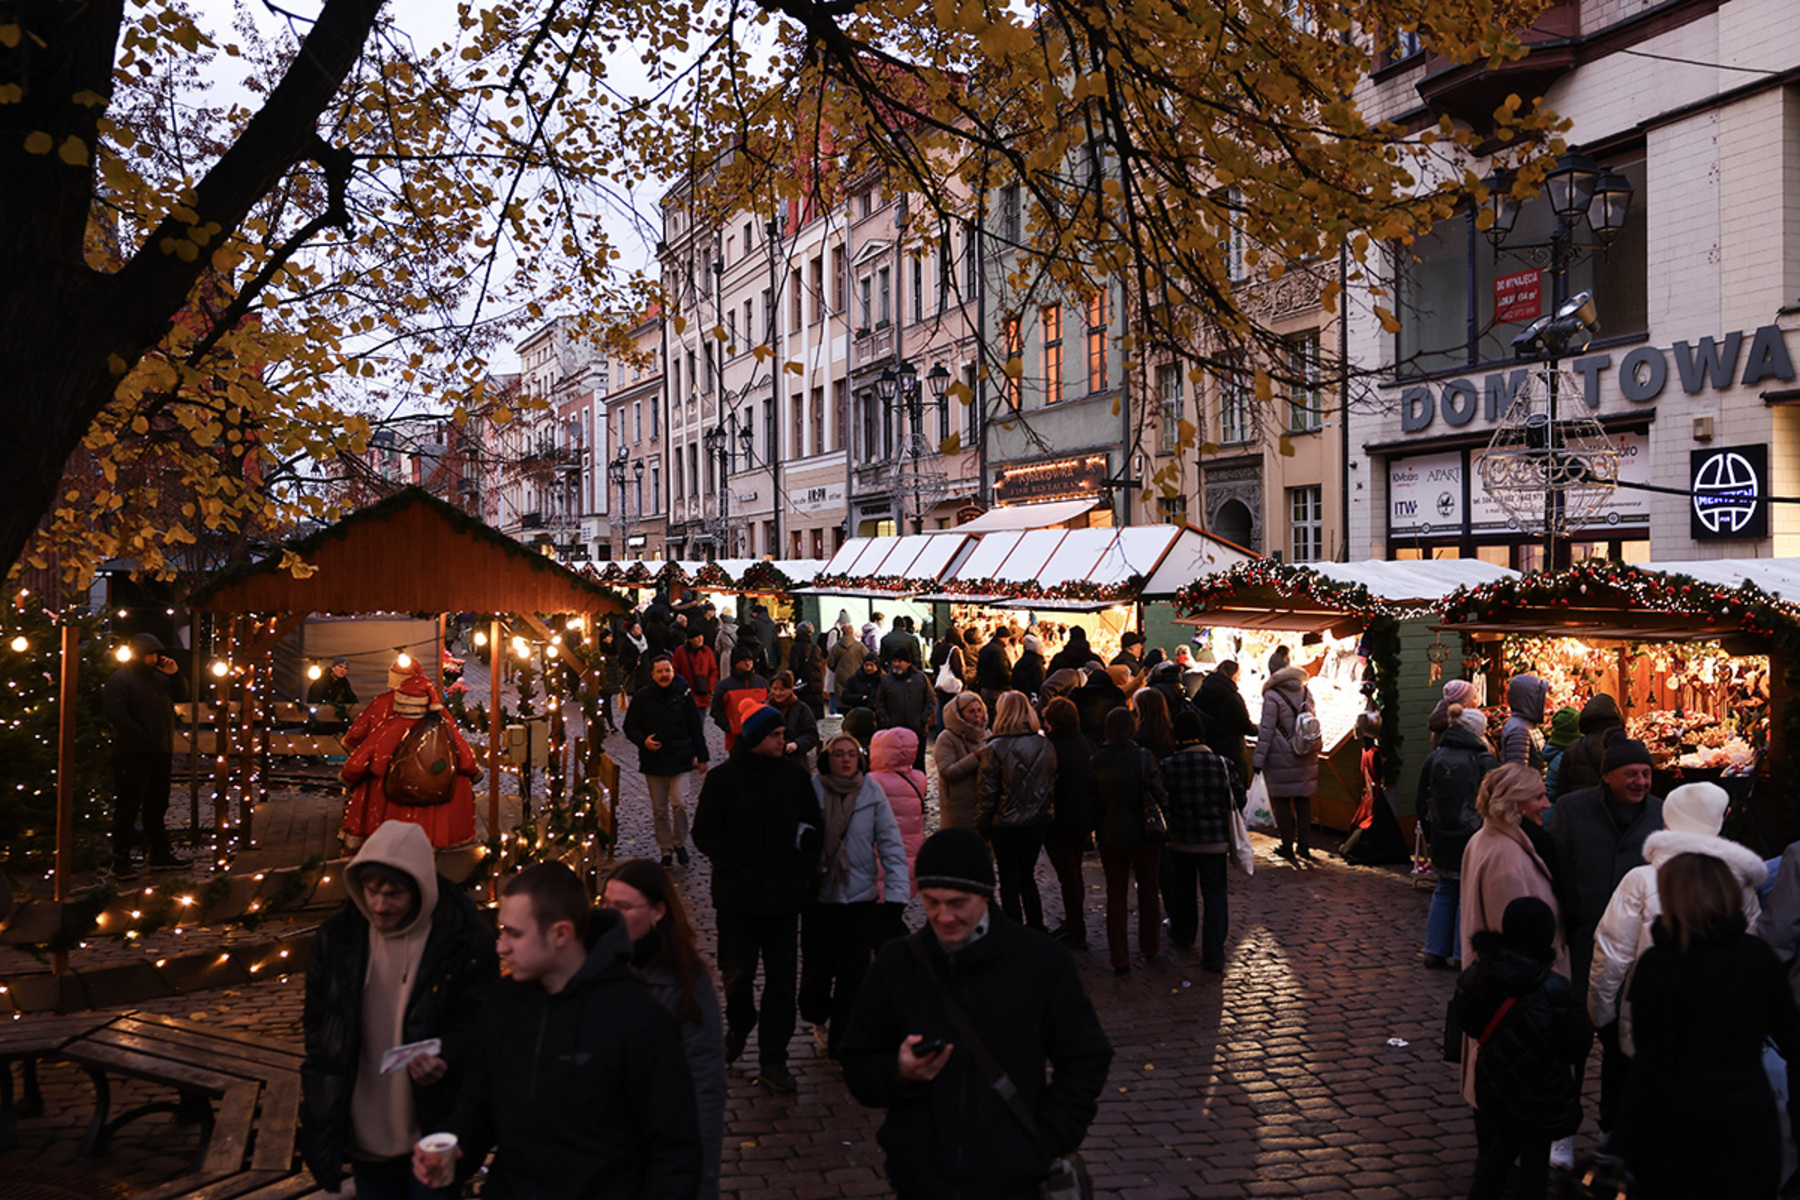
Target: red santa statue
{"points": [[409, 762]]}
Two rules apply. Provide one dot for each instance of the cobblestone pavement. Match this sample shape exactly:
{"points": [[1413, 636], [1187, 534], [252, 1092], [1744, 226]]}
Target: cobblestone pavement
{"points": [[1277, 1079]]}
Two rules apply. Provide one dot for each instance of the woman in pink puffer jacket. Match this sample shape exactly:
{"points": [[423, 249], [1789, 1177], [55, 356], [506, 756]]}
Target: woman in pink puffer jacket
{"points": [[891, 756]]}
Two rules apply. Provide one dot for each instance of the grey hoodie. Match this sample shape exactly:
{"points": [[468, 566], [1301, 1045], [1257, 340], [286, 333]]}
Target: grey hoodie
{"points": [[1525, 695]]}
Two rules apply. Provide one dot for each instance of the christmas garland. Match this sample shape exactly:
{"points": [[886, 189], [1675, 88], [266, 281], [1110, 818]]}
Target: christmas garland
{"points": [[1641, 591], [712, 575], [1292, 582], [672, 574], [1086, 589], [766, 577], [880, 583], [638, 575]]}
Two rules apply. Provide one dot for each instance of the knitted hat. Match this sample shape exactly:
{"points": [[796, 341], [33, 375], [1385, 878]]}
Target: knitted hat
{"points": [[1530, 927], [1473, 720], [957, 859], [1032, 645], [1565, 726], [1624, 752], [742, 653], [144, 644], [760, 724], [1696, 808], [1128, 639], [1459, 691]]}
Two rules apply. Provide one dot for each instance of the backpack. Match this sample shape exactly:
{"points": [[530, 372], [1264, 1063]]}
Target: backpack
{"points": [[1308, 737]]}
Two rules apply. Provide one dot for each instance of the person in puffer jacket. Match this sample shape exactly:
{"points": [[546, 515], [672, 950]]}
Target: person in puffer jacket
{"points": [[1448, 784], [1014, 803], [1527, 1030], [1525, 696], [891, 765], [1692, 816]]}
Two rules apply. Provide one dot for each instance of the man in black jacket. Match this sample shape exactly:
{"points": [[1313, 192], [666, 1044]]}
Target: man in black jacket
{"points": [[139, 703], [664, 723], [408, 957], [759, 823], [579, 1081], [898, 638], [949, 1134], [904, 700], [993, 670]]}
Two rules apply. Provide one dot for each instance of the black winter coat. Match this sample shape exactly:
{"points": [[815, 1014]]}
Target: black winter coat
{"points": [[1126, 777], [1028, 673], [955, 1138], [1699, 1118], [1093, 700], [585, 1092], [670, 715], [806, 663], [456, 971], [1227, 720], [905, 702], [1016, 784], [860, 691], [993, 670], [1525, 1072], [139, 703], [1448, 783], [1071, 819], [1076, 655], [759, 823], [1597, 852]]}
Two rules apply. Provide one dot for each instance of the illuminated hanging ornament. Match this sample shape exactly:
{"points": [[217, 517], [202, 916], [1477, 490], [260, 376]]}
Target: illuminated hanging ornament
{"points": [[1549, 474]]}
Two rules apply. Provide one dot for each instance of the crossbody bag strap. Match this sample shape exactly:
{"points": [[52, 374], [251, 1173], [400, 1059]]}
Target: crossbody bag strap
{"points": [[965, 1030], [1505, 1007]]}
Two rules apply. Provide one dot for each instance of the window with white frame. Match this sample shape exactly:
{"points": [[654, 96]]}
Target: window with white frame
{"points": [[1168, 395], [656, 485], [1234, 407], [1232, 214], [1306, 524], [1306, 409]]}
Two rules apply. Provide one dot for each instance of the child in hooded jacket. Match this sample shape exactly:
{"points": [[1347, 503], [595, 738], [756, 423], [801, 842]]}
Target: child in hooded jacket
{"points": [[1528, 1029]]}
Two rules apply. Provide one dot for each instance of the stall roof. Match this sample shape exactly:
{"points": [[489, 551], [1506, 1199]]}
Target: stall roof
{"points": [[1192, 555], [433, 557], [1024, 516], [1779, 577], [984, 561], [1298, 597], [900, 559], [846, 555]]}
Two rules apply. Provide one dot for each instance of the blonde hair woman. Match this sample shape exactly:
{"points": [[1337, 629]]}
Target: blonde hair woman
{"points": [[1014, 803], [1500, 865]]}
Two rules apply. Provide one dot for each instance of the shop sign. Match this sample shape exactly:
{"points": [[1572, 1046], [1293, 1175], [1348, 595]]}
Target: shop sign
{"points": [[635, 541], [1730, 485], [1643, 374], [1062, 479], [818, 499], [1518, 297], [1425, 495]]}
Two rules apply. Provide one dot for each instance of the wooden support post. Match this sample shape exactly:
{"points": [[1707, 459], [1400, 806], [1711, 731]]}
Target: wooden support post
{"points": [[222, 750], [65, 778], [494, 660], [442, 622], [194, 673]]}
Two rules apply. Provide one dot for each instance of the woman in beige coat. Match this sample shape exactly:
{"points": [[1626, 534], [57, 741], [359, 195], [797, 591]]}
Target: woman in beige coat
{"points": [[958, 754], [1498, 867]]}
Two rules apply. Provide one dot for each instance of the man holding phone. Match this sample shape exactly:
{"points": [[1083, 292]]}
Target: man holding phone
{"points": [[949, 1131], [139, 702]]}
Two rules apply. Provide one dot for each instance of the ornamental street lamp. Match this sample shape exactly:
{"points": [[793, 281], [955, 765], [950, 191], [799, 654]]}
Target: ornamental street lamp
{"points": [[615, 471], [897, 387], [1540, 467], [716, 440]]}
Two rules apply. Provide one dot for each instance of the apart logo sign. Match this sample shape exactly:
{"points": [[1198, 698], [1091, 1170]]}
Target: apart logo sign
{"points": [[1728, 483]]}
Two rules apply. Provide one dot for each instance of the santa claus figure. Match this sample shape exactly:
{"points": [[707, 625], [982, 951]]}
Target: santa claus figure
{"points": [[405, 734]]}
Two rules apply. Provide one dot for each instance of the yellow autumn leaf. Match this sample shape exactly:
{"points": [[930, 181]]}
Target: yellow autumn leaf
{"points": [[39, 142]]}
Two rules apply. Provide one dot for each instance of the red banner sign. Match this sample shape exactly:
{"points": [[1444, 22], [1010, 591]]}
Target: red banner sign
{"points": [[1518, 297]]}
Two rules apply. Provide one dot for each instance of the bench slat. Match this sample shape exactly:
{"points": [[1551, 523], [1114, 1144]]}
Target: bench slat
{"points": [[185, 1053], [90, 1053], [268, 1060], [231, 1129], [278, 1125], [213, 1031], [291, 1188], [201, 1187], [39, 1034]]}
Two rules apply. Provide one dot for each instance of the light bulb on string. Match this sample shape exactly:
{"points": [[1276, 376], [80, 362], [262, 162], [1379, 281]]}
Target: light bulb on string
{"points": [[314, 671], [123, 654], [20, 644], [403, 661], [480, 637], [221, 668]]}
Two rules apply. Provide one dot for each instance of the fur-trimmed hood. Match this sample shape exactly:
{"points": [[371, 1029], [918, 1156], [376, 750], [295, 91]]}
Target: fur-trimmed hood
{"points": [[1744, 862], [1289, 679]]}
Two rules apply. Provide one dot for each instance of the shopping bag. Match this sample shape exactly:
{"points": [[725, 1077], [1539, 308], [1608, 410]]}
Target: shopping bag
{"points": [[1258, 814], [1243, 854]]}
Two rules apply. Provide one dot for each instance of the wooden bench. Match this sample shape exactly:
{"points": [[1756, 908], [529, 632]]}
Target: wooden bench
{"points": [[24, 1042]]}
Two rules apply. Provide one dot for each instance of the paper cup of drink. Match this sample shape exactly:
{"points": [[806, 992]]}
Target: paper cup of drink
{"points": [[441, 1147]]}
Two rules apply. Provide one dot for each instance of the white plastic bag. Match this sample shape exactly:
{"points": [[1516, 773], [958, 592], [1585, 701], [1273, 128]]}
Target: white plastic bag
{"points": [[1257, 813], [1243, 854]]}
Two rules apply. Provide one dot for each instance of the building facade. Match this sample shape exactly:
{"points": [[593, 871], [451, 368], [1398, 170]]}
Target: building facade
{"points": [[1688, 370], [633, 476]]}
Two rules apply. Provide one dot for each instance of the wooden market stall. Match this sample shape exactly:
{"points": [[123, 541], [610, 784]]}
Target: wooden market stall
{"points": [[1696, 653], [409, 553], [1347, 623]]}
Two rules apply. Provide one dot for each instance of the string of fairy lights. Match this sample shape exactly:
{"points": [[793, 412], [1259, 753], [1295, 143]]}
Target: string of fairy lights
{"points": [[242, 686]]}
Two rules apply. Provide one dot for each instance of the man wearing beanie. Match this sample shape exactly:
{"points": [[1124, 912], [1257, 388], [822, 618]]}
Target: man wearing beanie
{"points": [[949, 1131], [759, 823], [1599, 834], [1693, 814], [743, 678]]}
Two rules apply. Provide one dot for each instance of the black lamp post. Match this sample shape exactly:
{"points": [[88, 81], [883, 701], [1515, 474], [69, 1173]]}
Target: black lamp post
{"points": [[615, 471], [715, 441], [897, 387]]}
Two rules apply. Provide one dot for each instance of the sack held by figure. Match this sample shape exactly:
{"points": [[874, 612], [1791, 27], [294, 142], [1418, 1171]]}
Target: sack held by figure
{"points": [[422, 771]]}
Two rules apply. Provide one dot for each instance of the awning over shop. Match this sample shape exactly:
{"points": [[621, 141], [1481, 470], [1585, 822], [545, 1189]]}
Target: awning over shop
{"points": [[1024, 516], [1330, 597]]}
